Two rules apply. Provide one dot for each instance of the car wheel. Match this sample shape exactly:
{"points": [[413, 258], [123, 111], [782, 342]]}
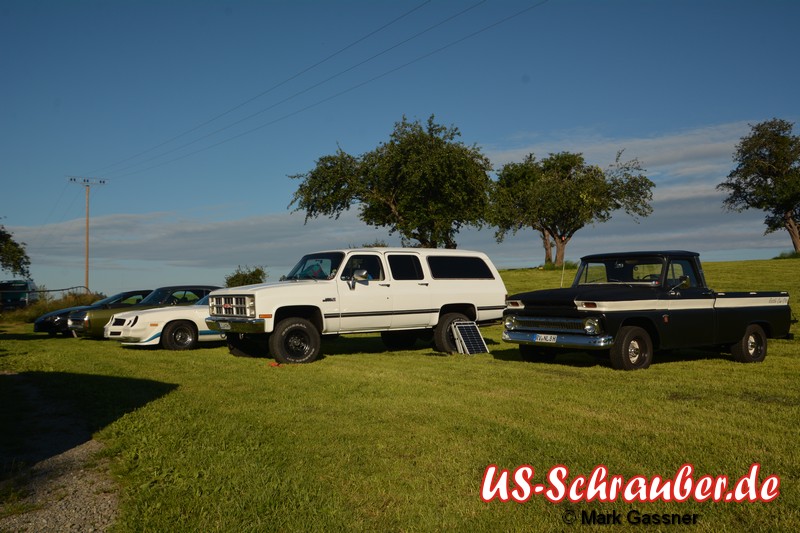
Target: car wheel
{"points": [[179, 335], [536, 354], [295, 340], [632, 349], [400, 340], [243, 345], [443, 339], [752, 348]]}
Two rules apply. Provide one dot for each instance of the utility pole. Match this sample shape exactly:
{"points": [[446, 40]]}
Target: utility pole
{"points": [[87, 183]]}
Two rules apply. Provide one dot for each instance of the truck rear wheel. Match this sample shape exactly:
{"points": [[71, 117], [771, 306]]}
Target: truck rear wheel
{"points": [[295, 340], [752, 348], [443, 339], [632, 349]]}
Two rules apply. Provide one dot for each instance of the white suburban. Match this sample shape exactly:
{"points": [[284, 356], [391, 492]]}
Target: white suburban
{"points": [[405, 293]]}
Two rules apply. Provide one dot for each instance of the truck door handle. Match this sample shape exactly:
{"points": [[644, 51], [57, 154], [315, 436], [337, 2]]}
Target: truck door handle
{"points": [[384, 284], [423, 284]]}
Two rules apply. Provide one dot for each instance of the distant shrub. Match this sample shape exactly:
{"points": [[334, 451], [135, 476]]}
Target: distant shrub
{"points": [[45, 305], [788, 255]]}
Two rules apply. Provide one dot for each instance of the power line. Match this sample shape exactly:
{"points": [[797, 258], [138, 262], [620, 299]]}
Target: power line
{"points": [[295, 95], [265, 92], [332, 97]]}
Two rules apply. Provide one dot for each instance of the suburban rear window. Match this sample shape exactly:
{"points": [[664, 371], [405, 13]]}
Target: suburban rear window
{"points": [[458, 267], [405, 266]]}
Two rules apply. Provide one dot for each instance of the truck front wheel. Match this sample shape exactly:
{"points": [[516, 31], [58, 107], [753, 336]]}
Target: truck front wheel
{"points": [[752, 348], [632, 349], [295, 340]]}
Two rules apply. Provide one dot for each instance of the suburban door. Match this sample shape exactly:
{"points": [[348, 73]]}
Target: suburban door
{"points": [[412, 292], [364, 305]]}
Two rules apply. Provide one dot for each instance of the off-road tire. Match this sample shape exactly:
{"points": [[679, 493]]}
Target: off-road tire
{"points": [[294, 341]]}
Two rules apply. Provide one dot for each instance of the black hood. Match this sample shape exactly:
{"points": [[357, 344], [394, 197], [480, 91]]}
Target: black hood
{"points": [[601, 293]]}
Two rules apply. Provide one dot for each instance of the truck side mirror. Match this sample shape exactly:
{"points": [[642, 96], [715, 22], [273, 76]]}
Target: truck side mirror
{"points": [[358, 275]]}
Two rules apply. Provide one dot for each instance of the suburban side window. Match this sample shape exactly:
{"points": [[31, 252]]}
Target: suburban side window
{"points": [[455, 267], [370, 263], [405, 267]]}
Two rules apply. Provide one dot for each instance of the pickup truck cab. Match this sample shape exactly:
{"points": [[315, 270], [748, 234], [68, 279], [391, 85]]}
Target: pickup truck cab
{"points": [[632, 304], [404, 293]]}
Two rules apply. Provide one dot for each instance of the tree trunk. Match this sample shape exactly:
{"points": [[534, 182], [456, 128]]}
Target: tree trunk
{"points": [[548, 247], [793, 229], [561, 247]]}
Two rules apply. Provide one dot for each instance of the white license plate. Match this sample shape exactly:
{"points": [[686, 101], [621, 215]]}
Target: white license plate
{"points": [[225, 326], [545, 338]]}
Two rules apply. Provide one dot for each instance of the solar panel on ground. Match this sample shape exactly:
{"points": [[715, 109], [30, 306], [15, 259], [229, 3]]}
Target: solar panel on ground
{"points": [[468, 338]]}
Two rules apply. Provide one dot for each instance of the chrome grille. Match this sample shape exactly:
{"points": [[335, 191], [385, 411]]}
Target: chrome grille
{"points": [[232, 306], [549, 324]]}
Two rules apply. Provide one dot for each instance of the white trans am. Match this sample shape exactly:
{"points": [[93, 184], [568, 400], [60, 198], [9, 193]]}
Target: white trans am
{"points": [[174, 328]]}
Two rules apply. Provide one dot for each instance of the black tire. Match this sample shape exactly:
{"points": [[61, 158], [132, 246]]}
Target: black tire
{"points": [[400, 340], [243, 345], [632, 349], [294, 340], [443, 340], [179, 335], [752, 348], [536, 354]]}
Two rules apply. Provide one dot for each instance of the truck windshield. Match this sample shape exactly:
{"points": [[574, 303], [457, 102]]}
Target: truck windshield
{"points": [[317, 266], [643, 270]]}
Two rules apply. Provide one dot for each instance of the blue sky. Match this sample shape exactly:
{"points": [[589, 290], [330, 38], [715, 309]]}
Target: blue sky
{"points": [[196, 112]]}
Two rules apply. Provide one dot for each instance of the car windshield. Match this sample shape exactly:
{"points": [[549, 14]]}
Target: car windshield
{"points": [[317, 266], [643, 270], [203, 300]]}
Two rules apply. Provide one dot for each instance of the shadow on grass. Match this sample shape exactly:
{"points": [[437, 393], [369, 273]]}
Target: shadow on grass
{"points": [[44, 414]]}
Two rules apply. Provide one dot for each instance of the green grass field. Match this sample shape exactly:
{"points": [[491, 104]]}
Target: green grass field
{"points": [[367, 439]]}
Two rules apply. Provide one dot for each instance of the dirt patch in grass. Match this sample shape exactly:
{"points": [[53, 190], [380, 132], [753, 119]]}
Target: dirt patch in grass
{"points": [[52, 478]]}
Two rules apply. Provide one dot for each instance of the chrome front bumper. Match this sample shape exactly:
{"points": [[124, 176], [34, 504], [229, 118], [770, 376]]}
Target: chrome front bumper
{"points": [[563, 340], [235, 324]]}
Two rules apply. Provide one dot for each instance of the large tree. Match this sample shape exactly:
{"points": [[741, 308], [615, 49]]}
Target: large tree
{"points": [[767, 177], [12, 255], [423, 184], [561, 194]]}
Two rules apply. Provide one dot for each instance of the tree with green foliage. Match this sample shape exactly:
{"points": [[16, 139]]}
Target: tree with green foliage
{"points": [[767, 177], [12, 255], [246, 276], [561, 194], [423, 184]]}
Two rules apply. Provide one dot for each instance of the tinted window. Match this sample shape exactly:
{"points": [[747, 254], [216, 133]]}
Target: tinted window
{"points": [[454, 267], [405, 266], [370, 263]]}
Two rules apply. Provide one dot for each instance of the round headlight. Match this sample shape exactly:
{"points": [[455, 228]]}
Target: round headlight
{"points": [[510, 322], [591, 326]]}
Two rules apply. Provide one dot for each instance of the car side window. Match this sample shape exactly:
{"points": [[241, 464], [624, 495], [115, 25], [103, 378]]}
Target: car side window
{"points": [[678, 268], [370, 263], [405, 267]]}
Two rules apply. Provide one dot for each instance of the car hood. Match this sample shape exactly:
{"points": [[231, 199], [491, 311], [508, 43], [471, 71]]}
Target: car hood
{"points": [[612, 292], [156, 312], [65, 311]]}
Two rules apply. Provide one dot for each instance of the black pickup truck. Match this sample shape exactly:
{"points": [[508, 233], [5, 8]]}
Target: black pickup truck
{"points": [[632, 304]]}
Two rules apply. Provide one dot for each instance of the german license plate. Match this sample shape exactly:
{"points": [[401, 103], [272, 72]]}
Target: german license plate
{"points": [[225, 326], [545, 338]]}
